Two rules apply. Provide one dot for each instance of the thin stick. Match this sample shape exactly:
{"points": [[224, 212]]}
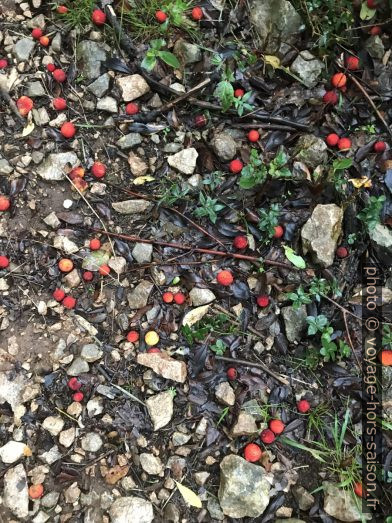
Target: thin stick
{"points": [[8, 100], [340, 307], [251, 364], [349, 338]]}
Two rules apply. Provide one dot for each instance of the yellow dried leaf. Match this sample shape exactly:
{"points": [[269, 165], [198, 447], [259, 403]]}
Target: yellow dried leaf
{"points": [[272, 60], [189, 496], [141, 180], [364, 181], [27, 452], [28, 129]]}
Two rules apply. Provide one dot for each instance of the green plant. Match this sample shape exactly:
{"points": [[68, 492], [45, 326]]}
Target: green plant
{"points": [[213, 180], [79, 13], [155, 52], [352, 238], [269, 219], [316, 324], [369, 129], [277, 169], [222, 416], [387, 337], [337, 172], [173, 194], [329, 349], [256, 172], [299, 297], [219, 347], [208, 207], [370, 215], [225, 92], [242, 105], [173, 392], [215, 325], [317, 289]]}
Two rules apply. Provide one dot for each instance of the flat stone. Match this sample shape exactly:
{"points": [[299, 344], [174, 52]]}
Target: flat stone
{"points": [[244, 426], [132, 87], [160, 409], [225, 394], [52, 220], [340, 503], [201, 477], [375, 47], [225, 147], [163, 365], [308, 68], [77, 367], [243, 490], [194, 315], [63, 243], [311, 150], [53, 167], [67, 437], [304, 498], [187, 52], [52, 455], [53, 424], [381, 237], [72, 279], [50, 499], [55, 45], [100, 86], [91, 352], [91, 442], [14, 450], [90, 56], [131, 508], [151, 464], [35, 89], [138, 297], [138, 166], [132, 206], [129, 140], [294, 322], [201, 296], [184, 161], [5, 167], [142, 252], [23, 49], [95, 406], [118, 264], [108, 104], [15, 494]]}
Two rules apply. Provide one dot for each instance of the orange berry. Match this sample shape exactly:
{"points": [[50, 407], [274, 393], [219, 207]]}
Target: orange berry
{"points": [[131, 108], [98, 17], [344, 144], [4, 203], [68, 130], [303, 406], [339, 80], [352, 63], [59, 75], [24, 105], [263, 300], [104, 270], [379, 147], [225, 278], [236, 166], [36, 491], [239, 93], [240, 242], [167, 297], [358, 489], [58, 294], [160, 17], [179, 298], [330, 97], [332, 140], [197, 13], [278, 231], [69, 302], [267, 436], [78, 396], [132, 336], [231, 373], [88, 276], [153, 350], [276, 426], [74, 383], [95, 244], [66, 265], [36, 33], [4, 262], [253, 135], [44, 41], [62, 9], [77, 172], [51, 67], [98, 170], [252, 452], [385, 356], [59, 104]]}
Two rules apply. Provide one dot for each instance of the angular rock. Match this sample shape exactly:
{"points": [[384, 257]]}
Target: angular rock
{"points": [[100, 86], [308, 68], [23, 49], [129, 140], [304, 498], [118, 264], [381, 237], [35, 89], [243, 490], [341, 504], [163, 365], [225, 147], [90, 56], [107, 104], [132, 87], [55, 45], [186, 52], [52, 220], [5, 167], [132, 206], [311, 150], [294, 322], [13, 450], [53, 424], [77, 367], [72, 279], [160, 409], [134, 509], [15, 495], [150, 463], [53, 167], [375, 47], [91, 442], [65, 244], [142, 252], [67, 437], [201, 296], [321, 232], [194, 315], [244, 426], [184, 161], [137, 165], [225, 394], [138, 297], [91, 352]]}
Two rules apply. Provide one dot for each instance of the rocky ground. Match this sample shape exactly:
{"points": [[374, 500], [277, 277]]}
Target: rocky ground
{"points": [[182, 224]]}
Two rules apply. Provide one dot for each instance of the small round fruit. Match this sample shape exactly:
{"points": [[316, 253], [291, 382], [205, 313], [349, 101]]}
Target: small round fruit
{"points": [[330, 97], [153, 350], [231, 373], [151, 338], [24, 105], [179, 298], [200, 120], [252, 452], [36, 33], [131, 108], [88, 276], [77, 172], [224, 278], [3, 63], [239, 93], [197, 13], [263, 300], [5, 203], [168, 297], [160, 17], [385, 356], [341, 252], [253, 135], [95, 244], [59, 75], [132, 336], [358, 489], [68, 130], [240, 242], [66, 265], [352, 63], [375, 30], [98, 17], [339, 80], [69, 302], [59, 104], [36, 491], [276, 426], [62, 9], [379, 147], [58, 294], [44, 41], [98, 170], [303, 406], [4, 262], [78, 396], [344, 144], [278, 231], [236, 166], [104, 270], [332, 140], [267, 436], [74, 384], [372, 4], [50, 68]]}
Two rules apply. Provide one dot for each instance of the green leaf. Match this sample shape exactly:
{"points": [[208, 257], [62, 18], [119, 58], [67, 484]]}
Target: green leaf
{"points": [[341, 164], [157, 44], [149, 62], [366, 12], [296, 260], [225, 92], [169, 59]]}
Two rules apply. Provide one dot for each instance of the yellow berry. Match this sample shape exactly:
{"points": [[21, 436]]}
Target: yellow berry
{"points": [[151, 338]]}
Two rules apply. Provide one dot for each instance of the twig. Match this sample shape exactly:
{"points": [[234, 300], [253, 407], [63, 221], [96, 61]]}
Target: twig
{"points": [[235, 319], [251, 364], [9, 101], [124, 40], [349, 338], [340, 307]]}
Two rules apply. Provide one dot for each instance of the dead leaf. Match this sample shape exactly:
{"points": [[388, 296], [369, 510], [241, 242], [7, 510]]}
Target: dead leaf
{"points": [[28, 129], [141, 180], [115, 474], [189, 496], [364, 181], [272, 60]]}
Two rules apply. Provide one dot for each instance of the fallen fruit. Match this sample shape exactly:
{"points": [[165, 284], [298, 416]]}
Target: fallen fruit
{"points": [[277, 426], [358, 489], [62, 9], [375, 30], [231, 373], [36, 33], [252, 452], [59, 75], [239, 93], [95, 244], [341, 252], [132, 336], [5, 203], [104, 270], [79, 185], [59, 104], [69, 302], [332, 140], [24, 105], [303, 406], [78, 396], [98, 17], [4, 262], [236, 166], [225, 278], [131, 108], [200, 120], [279, 231], [151, 338], [240, 242], [3, 63], [330, 97], [379, 147], [74, 384], [263, 300], [36, 491], [68, 130], [65, 265], [44, 41], [339, 80], [77, 172], [167, 297], [160, 17], [88, 276], [179, 298], [352, 63], [51, 67], [344, 144], [197, 13], [267, 436], [153, 350], [372, 4], [98, 170], [385, 356], [58, 294], [253, 135]]}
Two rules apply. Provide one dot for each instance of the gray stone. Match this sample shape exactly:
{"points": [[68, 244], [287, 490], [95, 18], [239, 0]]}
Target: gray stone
{"points": [[142, 252], [23, 49], [276, 23], [72, 279], [186, 52], [308, 68], [129, 140], [138, 297], [225, 147], [195, 315], [91, 352], [35, 89], [12, 389], [244, 426], [78, 366], [184, 161], [304, 498], [131, 508], [90, 55], [50, 499], [91, 442], [37, 21], [118, 264], [41, 116], [225, 394], [171, 513], [201, 296], [311, 150], [341, 504], [53, 424], [321, 232], [214, 509], [151, 464], [132, 87], [15, 495], [289, 520], [100, 86], [179, 439], [108, 104], [243, 490], [53, 167], [132, 206], [5, 167], [95, 406], [160, 409], [163, 365], [201, 477], [294, 322], [381, 237], [137, 165], [13, 450], [67, 437], [375, 47], [52, 455], [55, 44]]}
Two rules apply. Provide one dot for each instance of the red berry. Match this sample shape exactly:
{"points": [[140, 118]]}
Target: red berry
{"points": [[375, 30], [240, 242], [69, 302], [352, 63], [160, 17], [225, 278], [278, 231], [303, 406], [74, 384], [59, 104], [131, 108], [68, 130], [267, 436], [88, 276], [59, 75], [153, 350], [167, 297], [104, 270], [95, 244], [62, 9], [37, 33], [253, 135], [179, 298], [276, 426], [78, 396], [4, 262], [5, 203], [98, 170], [98, 17], [344, 144], [379, 147], [358, 489], [44, 41], [24, 105], [252, 452], [3, 63], [58, 294], [372, 4], [231, 373], [51, 67], [236, 166], [200, 120], [132, 336], [197, 13], [341, 252], [330, 97], [65, 265], [263, 300], [339, 80], [239, 93], [332, 140]]}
